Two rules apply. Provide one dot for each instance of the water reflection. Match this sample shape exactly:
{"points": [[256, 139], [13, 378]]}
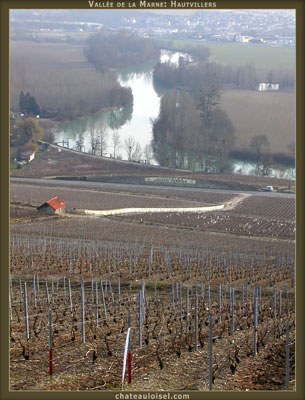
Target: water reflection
{"points": [[131, 121], [134, 120], [127, 74], [247, 168]]}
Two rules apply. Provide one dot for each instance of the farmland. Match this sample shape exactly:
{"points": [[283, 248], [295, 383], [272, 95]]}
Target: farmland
{"points": [[61, 57], [269, 113], [252, 112], [254, 216], [265, 57], [190, 295], [61, 80], [111, 198]]}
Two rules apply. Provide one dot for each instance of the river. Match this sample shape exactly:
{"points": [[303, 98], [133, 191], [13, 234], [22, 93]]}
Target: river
{"points": [[132, 121], [135, 121]]}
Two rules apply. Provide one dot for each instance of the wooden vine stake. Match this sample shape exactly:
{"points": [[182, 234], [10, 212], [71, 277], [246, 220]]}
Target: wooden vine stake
{"points": [[26, 317], [196, 318], [210, 351], [287, 357], [50, 343], [255, 327]]}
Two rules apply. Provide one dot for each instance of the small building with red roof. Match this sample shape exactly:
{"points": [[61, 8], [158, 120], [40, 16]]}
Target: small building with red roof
{"points": [[27, 156], [53, 206]]}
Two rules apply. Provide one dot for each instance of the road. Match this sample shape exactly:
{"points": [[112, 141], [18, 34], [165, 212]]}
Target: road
{"points": [[88, 184]]}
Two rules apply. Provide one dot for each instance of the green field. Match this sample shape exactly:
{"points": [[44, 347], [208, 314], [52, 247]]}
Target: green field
{"points": [[261, 113], [265, 57]]}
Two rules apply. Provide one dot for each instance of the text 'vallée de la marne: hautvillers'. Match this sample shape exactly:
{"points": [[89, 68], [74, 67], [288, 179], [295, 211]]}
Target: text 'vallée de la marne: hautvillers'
{"points": [[151, 4]]}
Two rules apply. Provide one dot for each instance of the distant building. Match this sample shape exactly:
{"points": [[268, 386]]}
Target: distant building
{"points": [[286, 40], [264, 86], [53, 206], [27, 156], [243, 38]]}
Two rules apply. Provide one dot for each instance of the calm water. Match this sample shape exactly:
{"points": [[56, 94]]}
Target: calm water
{"points": [[135, 120], [132, 121]]}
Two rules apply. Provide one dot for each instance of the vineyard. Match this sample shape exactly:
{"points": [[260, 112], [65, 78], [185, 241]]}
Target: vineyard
{"points": [[221, 222], [202, 310], [278, 207], [103, 199], [253, 216]]}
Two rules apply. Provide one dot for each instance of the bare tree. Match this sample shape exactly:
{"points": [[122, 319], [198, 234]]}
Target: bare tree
{"points": [[116, 141], [93, 135], [137, 152], [80, 142], [129, 145], [266, 164], [148, 153], [258, 143], [133, 149], [102, 133], [50, 131]]}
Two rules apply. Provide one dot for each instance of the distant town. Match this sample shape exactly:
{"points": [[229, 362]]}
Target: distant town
{"points": [[260, 27]]}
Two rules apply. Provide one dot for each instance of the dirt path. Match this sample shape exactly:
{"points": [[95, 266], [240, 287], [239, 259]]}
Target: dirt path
{"points": [[227, 206]]}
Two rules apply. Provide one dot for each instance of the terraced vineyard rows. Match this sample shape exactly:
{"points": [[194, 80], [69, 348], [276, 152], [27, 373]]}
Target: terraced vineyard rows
{"points": [[179, 287], [199, 303], [104, 198], [126, 233], [273, 207], [220, 222], [136, 258]]}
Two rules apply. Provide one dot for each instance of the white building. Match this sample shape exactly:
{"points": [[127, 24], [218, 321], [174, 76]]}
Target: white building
{"points": [[243, 38], [264, 86]]}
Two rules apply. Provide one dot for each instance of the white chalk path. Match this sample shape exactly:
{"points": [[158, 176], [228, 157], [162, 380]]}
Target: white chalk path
{"points": [[227, 206]]}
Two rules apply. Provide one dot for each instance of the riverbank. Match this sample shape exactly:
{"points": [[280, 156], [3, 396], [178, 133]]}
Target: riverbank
{"points": [[62, 81], [63, 163]]}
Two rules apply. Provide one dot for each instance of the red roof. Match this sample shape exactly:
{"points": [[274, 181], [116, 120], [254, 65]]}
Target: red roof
{"points": [[56, 203]]}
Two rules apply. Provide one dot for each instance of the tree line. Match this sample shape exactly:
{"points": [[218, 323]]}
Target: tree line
{"points": [[28, 104], [239, 77], [119, 50], [105, 139], [192, 129]]}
